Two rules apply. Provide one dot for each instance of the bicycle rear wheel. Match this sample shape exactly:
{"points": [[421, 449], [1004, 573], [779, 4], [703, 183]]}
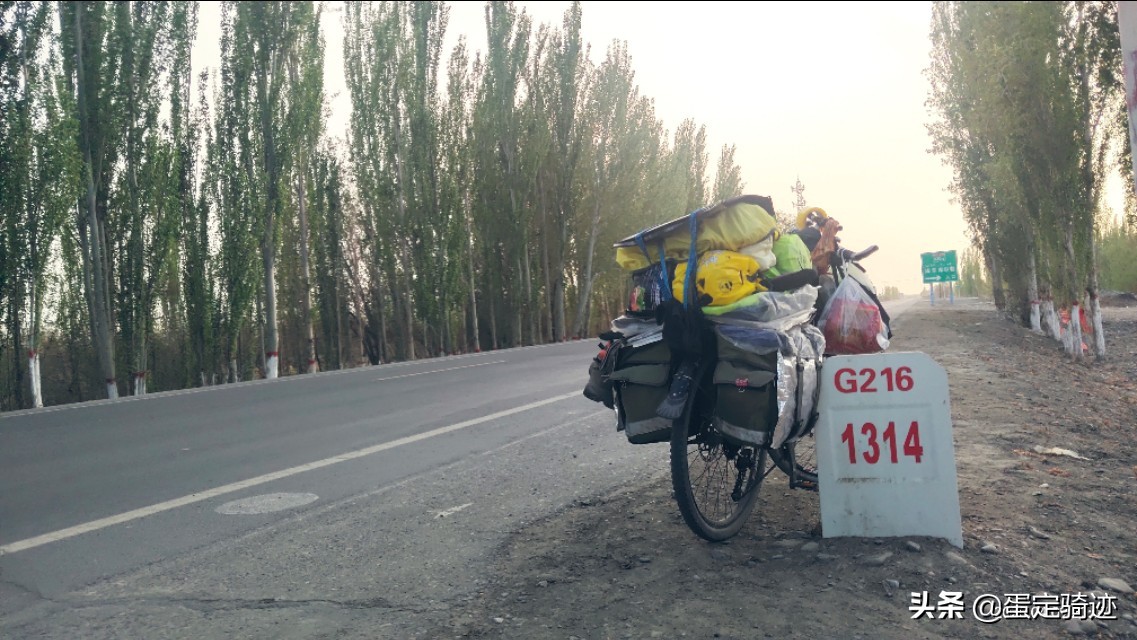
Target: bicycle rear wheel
{"points": [[716, 481]]}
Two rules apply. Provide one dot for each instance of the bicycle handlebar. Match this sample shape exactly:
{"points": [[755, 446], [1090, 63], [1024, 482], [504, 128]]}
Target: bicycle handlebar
{"points": [[847, 255]]}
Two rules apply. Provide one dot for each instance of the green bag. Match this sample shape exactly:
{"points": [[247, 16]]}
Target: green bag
{"points": [[745, 380], [792, 254], [642, 378]]}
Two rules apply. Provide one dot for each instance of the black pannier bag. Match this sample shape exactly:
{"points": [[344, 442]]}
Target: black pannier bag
{"points": [[745, 379], [641, 378], [599, 388]]}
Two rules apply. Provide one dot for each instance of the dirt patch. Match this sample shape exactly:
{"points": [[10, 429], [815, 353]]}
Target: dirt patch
{"points": [[625, 566]]}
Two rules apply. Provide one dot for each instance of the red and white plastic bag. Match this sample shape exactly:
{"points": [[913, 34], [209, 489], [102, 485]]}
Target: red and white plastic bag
{"points": [[851, 322]]}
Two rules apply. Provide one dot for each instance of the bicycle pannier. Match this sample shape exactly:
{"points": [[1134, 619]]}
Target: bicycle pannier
{"points": [[745, 378], [797, 388], [641, 380]]}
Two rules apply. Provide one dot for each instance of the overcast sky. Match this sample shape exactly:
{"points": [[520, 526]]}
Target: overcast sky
{"points": [[831, 93]]}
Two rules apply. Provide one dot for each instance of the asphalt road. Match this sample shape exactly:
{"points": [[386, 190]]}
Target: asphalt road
{"points": [[373, 498]]}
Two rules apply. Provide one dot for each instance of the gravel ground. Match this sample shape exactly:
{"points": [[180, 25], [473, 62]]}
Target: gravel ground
{"points": [[623, 564]]}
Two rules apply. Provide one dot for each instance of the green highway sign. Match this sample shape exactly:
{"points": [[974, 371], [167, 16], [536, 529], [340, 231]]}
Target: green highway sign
{"points": [[939, 266]]}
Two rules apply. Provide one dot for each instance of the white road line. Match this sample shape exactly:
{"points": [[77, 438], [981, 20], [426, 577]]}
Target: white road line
{"points": [[452, 510], [423, 373], [102, 523]]}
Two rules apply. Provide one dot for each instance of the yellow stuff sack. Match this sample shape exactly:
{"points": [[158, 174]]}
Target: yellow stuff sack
{"points": [[722, 277], [736, 226]]}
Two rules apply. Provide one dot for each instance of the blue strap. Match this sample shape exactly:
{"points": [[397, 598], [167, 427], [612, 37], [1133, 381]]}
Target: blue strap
{"points": [[664, 282], [664, 285], [692, 261], [642, 246]]}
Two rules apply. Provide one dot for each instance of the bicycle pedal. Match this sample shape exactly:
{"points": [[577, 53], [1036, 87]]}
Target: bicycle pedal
{"points": [[805, 485]]}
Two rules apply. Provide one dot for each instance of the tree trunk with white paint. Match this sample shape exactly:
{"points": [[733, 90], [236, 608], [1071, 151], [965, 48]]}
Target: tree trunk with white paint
{"points": [[1050, 314], [139, 375], [1092, 176], [1032, 293], [1095, 304], [1074, 346], [1099, 330], [1049, 317], [33, 344], [272, 167], [34, 377], [272, 340]]}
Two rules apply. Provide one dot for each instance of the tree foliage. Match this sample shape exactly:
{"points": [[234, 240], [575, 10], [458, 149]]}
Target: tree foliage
{"points": [[201, 230], [1025, 98]]}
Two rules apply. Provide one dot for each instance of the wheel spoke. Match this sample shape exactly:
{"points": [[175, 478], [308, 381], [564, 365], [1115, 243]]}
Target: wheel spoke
{"points": [[714, 476], [706, 467]]}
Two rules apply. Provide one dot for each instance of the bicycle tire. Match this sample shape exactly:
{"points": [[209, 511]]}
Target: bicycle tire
{"points": [[717, 511]]}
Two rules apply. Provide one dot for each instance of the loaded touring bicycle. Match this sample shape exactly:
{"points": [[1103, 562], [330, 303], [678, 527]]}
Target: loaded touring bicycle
{"points": [[720, 348]]}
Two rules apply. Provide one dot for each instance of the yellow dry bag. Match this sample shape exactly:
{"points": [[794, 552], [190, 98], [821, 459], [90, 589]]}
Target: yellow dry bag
{"points": [[722, 277]]}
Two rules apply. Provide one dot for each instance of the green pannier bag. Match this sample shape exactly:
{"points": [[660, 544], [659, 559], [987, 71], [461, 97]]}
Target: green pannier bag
{"points": [[745, 379], [642, 378]]}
